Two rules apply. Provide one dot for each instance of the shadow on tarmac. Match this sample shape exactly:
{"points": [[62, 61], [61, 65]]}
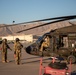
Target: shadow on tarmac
{"points": [[35, 61], [73, 73], [29, 58], [31, 62]]}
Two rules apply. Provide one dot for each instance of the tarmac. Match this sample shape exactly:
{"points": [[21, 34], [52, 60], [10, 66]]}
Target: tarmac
{"points": [[30, 64]]}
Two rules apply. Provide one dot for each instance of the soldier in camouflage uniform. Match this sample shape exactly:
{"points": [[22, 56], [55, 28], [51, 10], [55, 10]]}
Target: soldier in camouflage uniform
{"points": [[17, 51], [4, 50], [45, 43]]}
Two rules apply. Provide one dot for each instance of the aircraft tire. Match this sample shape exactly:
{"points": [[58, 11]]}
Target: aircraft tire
{"points": [[73, 59], [46, 74]]}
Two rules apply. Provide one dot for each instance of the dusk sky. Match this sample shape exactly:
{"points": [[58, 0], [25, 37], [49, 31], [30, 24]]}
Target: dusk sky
{"points": [[29, 10]]}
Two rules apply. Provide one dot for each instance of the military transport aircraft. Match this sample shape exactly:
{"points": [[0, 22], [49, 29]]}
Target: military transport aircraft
{"points": [[62, 41]]}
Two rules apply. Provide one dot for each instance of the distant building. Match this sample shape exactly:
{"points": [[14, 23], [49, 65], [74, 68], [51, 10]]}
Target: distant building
{"points": [[28, 38]]}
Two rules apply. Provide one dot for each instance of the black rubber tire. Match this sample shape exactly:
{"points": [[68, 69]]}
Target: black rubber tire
{"points": [[58, 65], [73, 59], [46, 74], [41, 54]]}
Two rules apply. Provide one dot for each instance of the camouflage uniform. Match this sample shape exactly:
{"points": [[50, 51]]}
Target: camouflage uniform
{"points": [[4, 50], [46, 43], [17, 51]]}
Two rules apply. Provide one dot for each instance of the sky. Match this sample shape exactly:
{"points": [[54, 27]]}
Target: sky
{"points": [[29, 10]]}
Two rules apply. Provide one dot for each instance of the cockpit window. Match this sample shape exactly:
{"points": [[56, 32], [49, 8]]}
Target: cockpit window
{"points": [[39, 39]]}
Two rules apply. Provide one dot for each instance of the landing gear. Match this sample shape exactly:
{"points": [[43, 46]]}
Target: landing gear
{"points": [[73, 59]]}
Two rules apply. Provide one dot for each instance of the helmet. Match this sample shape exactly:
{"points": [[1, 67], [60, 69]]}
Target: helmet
{"points": [[17, 39], [4, 40]]}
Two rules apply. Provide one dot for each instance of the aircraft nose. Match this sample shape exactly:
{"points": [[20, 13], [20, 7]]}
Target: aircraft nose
{"points": [[28, 49]]}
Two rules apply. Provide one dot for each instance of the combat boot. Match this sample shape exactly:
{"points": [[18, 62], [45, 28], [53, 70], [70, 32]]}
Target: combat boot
{"points": [[3, 61], [7, 61]]}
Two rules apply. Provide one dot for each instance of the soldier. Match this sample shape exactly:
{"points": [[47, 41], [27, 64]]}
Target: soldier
{"points": [[17, 51], [45, 43], [4, 50]]}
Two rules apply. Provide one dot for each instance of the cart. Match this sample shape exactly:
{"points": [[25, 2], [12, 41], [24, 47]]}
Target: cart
{"points": [[55, 68]]}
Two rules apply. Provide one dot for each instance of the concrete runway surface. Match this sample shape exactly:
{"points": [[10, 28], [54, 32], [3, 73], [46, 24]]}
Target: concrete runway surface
{"points": [[30, 64]]}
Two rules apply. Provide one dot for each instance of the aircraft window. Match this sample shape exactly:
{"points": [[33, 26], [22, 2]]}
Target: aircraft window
{"points": [[65, 42], [72, 41], [39, 39], [57, 42]]}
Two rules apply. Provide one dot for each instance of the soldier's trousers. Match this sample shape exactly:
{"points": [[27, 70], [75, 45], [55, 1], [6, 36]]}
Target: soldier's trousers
{"points": [[18, 58], [4, 56]]}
